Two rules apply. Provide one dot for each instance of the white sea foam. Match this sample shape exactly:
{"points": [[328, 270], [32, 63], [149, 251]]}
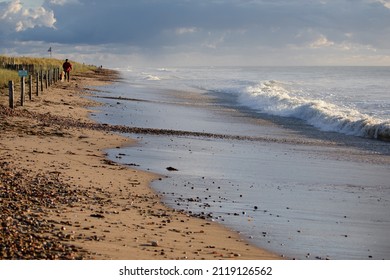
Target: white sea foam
{"points": [[272, 97], [352, 101], [149, 77]]}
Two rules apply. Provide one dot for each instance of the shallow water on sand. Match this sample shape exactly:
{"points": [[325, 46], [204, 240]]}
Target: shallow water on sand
{"points": [[301, 195], [293, 202]]}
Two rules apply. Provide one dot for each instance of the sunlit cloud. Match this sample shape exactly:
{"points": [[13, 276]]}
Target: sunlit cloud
{"points": [[321, 42], [14, 16], [385, 3]]}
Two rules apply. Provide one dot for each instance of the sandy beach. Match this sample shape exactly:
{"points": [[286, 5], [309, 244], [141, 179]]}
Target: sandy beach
{"points": [[61, 198]]}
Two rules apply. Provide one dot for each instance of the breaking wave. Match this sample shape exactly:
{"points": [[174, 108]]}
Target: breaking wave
{"points": [[152, 78], [272, 97]]}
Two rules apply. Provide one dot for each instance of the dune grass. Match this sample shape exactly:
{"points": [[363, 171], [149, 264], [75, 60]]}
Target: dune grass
{"points": [[39, 63], [7, 75]]}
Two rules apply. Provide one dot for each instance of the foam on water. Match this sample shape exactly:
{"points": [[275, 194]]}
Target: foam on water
{"points": [[273, 98], [150, 77], [352, 101]]}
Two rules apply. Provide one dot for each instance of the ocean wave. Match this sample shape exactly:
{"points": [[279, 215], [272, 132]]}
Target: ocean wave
{"points": [[149, 77], [273, 97]]}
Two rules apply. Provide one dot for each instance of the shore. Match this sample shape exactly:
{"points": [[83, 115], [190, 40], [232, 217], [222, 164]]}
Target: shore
{"points": [[62, 199], [252, 173]]}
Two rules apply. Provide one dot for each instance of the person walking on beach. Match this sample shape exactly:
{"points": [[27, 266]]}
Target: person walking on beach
{"points": [[67, 66]]}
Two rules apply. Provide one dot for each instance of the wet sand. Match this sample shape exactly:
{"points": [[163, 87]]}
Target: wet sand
{"points": [[61, 198]]}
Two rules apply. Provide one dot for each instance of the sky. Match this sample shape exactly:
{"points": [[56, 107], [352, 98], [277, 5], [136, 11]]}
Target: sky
{"points": [[123, 33]]}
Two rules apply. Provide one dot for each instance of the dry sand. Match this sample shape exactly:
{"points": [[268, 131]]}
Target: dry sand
{"points": [[63, 199]]}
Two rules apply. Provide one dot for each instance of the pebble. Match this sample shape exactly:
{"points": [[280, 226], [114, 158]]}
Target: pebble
{"points": [[26, 198], [170, 168]]}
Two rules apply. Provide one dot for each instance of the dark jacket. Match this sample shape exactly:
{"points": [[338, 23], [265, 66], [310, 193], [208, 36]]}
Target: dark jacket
{"points": [[67, 66]]}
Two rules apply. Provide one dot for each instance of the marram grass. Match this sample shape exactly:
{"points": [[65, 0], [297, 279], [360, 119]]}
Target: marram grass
{"points": [[7, 75], [39, 63]]}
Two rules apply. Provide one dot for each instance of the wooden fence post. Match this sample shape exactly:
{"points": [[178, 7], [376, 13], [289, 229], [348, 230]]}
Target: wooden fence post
{"points": [[22, 89], [46, 79], [49, 77], [11, 94], [37, 81], [55, 75], [30, 87], [41, 79]]}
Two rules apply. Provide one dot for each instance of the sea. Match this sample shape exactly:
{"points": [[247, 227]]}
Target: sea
{"points": [[295, 159]]}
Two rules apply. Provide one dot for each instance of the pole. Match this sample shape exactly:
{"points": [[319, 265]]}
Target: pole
{"points": [[30, 87], [11, 94], [22, 89], [46, 79], [41, 79], [37, 85]]}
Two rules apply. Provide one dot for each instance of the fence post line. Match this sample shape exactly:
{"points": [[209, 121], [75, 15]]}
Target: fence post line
{"points": [[37, 81], [22, 90], [11, 94], [30, 87]]}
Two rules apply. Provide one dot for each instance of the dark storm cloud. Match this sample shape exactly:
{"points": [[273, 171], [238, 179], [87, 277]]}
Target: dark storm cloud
{"points": [[212, 27], [152, 23]]}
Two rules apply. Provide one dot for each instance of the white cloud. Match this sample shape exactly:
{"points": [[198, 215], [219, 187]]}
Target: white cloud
{"points": [[321, 42], [185, 30], [357, 48], [19, 19], [385, 3], [11, 8], [347, 45], [62, 2]]}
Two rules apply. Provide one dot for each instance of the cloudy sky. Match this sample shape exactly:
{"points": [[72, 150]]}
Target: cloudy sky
{"points": [[120, 33]]}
